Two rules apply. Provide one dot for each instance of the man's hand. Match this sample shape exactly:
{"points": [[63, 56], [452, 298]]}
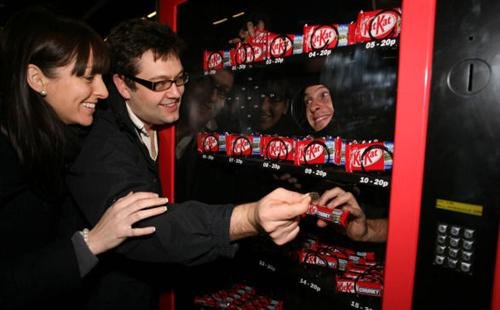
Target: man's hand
{"points": [[277, 214], [357, 228]]}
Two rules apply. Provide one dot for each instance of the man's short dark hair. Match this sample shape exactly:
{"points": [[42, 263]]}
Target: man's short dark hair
{"points": [[130, 39]]}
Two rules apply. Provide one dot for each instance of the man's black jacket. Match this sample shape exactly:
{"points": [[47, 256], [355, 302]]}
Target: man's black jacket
{"points": [[113, 162]]}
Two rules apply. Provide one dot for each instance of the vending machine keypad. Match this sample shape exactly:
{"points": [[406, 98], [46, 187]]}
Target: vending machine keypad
{"points": [[454, 248]]}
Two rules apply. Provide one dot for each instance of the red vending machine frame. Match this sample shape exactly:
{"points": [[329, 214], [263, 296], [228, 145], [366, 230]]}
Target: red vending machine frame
{"points": [[166, 160], [415, 56], [414, 79], [168, 15]]}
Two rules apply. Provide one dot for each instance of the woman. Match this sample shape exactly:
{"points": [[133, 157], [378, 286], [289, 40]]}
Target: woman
{"points": [[51, 77], [273, 117]]}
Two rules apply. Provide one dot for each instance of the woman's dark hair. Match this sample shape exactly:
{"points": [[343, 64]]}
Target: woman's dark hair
{"points": [[129, 40], [36, 36]]}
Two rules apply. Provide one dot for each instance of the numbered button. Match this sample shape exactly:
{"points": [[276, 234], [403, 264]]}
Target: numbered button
{"points": [[469, 233], [442, 228], [453, 253], [441, 239], [465, 267], [466, 256], [439, 260], [454, 242], [440, 249], [467, 245], [452, 263], [455, 231]]}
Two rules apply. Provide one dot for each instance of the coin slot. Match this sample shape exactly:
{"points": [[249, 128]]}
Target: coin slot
{"points": [[469, 77], [471, 72]]}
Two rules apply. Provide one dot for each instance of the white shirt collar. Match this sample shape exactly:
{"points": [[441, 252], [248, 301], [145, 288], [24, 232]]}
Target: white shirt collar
{"points": [[136, 121], [147, 139]]}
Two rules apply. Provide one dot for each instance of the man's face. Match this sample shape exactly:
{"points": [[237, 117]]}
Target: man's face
{"points": [[206, 97], [157, 107], [319, 106]]}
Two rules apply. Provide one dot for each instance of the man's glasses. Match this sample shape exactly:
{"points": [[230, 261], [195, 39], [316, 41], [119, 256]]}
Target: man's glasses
{"points": [[161, 85]]}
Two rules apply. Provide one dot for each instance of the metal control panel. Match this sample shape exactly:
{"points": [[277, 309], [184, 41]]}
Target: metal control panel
{"points": [[455, 247], [460, 203]]}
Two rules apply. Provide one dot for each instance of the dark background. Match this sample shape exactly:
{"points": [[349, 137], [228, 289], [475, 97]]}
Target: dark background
{"points": [[102, 15]]}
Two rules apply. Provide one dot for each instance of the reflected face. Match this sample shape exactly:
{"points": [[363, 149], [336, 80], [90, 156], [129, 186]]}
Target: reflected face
{"points": [[271, 111], [261, 25], [319, 106], [157, 107], [206, 98], [72, 97], [223, 83]]}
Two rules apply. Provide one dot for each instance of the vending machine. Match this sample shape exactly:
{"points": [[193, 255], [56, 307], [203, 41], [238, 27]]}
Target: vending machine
{"points": [[459, 213], [393, 102]]}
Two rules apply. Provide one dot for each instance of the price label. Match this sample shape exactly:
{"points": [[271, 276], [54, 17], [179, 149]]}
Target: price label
{"points": [[273, 166], [267, 265], [316, 172], [374, 181], [271, 61], [310, 285], [382, 43], [319, 53]]}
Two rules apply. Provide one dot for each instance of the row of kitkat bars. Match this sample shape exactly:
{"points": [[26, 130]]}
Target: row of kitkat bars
{"points": [[369, 26], [354, 155]]}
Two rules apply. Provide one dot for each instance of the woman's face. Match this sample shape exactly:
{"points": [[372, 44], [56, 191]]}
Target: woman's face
{"points": [[74, 98], [271, 111], [319, 106]]}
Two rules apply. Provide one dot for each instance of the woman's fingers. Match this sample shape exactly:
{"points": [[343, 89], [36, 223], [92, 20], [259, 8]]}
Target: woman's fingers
{"points": [[143, 214], [131, 198], [142, 231], [126, 208], [145, 203], [143, 210]]}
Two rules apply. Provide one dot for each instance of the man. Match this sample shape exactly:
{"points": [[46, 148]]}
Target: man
{"points": [[314, 108], [359, 228], [319, 106], [203, 102], [319, 113], [119, 156]]}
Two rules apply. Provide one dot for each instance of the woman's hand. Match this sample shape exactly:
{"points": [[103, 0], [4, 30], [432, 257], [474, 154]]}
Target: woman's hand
{"points": [[116, 223]]}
